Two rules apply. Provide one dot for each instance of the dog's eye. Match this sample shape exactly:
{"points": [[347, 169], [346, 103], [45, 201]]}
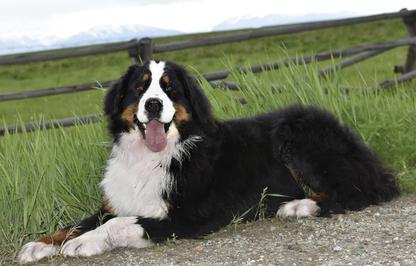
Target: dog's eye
{"points": [[140, 89], [169, 89]]}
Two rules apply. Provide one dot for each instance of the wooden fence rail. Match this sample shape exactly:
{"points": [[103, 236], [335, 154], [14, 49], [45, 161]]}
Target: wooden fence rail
{"points": [[372, 49], [213, 40], [352, 60], [310, 58], [54, 91], [57, 54], [405, 77], [41, 125], [277, 30]]}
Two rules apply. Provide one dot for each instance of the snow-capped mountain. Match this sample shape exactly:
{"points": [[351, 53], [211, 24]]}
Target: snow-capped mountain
{"points": [[102, 34], [21, 43], [106, 34], [276, 19]]}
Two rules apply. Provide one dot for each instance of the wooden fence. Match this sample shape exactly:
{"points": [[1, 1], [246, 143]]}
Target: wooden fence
{"points": [[143, 49], [135, 47]]}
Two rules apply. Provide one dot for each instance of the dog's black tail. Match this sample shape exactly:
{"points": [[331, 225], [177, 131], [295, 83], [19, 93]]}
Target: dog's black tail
{"points": [[333, 165]]}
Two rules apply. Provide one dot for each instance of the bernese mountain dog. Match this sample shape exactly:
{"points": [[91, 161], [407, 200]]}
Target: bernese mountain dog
{"points": [[176, 171]]}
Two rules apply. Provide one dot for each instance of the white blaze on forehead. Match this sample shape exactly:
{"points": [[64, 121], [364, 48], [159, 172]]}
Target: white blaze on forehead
{"points": [[157, 71]]}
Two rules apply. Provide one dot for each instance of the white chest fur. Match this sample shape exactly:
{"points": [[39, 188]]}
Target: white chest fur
{"points": [[136, 177]]}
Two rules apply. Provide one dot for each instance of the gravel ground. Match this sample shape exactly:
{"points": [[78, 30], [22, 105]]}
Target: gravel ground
{"points": [[378, 235]]}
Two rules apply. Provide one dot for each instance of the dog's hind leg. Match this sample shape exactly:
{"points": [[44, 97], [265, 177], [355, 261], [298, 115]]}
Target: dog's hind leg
{"points": [[313, 184], [317, 190], [330, 163]]}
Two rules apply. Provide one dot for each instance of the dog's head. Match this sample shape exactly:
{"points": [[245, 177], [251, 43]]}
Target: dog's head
{"points": [[155, 98]]}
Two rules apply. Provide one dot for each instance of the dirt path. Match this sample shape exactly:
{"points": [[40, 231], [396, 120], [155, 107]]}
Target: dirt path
{"points": [[380, 235]]}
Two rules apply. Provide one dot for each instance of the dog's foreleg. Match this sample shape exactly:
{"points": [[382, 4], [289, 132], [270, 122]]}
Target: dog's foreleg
{"points": [[117, 232], [49, 245]]}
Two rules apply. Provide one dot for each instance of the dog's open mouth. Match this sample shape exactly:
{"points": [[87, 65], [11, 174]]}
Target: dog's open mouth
{"points": [[155, 133]]}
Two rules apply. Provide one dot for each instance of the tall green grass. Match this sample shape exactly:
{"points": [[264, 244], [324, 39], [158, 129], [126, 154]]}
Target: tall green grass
{"points": [[49, 178]]}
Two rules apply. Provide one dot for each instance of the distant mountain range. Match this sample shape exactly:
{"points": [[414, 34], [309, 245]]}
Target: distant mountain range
{"points": [[276, 19], [95, 35], [106, 34]]}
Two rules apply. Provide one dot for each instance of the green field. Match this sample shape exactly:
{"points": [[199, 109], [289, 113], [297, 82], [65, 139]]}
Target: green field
{"points": [[49, 178]]}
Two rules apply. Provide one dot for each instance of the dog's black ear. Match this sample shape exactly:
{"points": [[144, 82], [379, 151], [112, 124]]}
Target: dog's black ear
{"points": [[201, 108], [117, 91]]}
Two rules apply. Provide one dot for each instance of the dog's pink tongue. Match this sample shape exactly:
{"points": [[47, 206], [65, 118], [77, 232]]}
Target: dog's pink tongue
{"points": [[155, 136]]}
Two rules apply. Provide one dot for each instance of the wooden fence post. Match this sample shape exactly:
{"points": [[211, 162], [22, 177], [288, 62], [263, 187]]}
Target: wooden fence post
{"points": [[410, 24], [134, 53], [145, 49]]}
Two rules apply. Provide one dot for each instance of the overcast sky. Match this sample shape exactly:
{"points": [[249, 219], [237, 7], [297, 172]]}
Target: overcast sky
{"points": [[64, 18]]}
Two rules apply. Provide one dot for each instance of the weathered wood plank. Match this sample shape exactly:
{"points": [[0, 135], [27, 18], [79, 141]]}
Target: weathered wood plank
{"points": [[405, 77], [66, 122], [146, 49], [410, 23], [54, 91], [275, 30], [66, 53], [224, 84], [134, 53], [351, 61], [310, 58]]}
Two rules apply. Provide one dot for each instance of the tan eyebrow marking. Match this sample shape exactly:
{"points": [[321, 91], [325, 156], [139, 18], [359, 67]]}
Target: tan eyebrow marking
{"points": [[165, 79], [146, 77]]}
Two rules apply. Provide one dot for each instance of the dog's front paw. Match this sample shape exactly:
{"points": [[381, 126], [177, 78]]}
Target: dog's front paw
{"points": [[88, 244], [34, 251]]}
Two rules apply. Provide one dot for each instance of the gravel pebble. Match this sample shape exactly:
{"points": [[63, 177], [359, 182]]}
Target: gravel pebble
{"points": [[378, 235], [337, 248]]}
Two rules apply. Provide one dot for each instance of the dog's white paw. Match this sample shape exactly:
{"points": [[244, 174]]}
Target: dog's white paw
{"points": [[299, 208], [34, 251], [117, 232], [86, 245]]}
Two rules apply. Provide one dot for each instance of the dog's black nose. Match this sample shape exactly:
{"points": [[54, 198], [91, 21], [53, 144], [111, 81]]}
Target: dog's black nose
{"points": [[153, 106]]}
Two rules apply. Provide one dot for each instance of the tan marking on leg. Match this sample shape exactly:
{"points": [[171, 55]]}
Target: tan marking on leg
{"points": [[181, 114], [128, 114], [106, 205], [318, 197], [59, 237]]}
